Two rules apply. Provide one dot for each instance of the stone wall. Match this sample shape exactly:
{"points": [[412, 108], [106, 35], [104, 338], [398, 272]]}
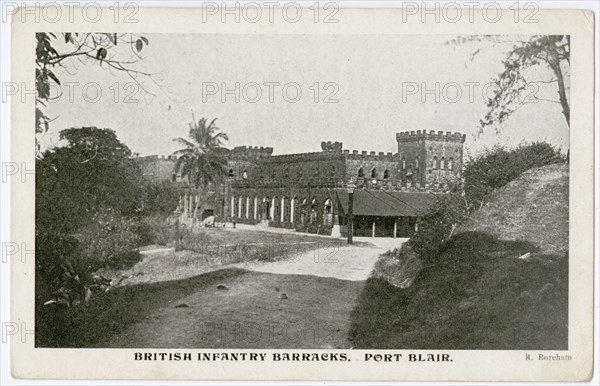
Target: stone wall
{"points": [[157, 168]]}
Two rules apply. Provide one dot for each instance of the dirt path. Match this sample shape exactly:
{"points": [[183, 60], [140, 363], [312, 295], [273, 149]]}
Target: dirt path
{"points": [[321, 289]]}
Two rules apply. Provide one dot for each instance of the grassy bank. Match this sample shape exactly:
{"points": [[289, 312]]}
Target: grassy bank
{"points": [[479, 296]]}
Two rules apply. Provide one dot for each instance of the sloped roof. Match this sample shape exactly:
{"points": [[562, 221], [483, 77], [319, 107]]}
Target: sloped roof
{"points": [[383, 203]]}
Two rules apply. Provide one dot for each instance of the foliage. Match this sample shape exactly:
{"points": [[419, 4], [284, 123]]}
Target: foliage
{"points": [[93, 171], [166, 231], [435, 227], [159, 198], [108, 240], [202, 160], [87, 48], [85, 191], [538, 52], [498, 166], [66, 265]]}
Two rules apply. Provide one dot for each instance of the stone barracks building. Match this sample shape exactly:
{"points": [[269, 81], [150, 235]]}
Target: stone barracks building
{"points": [[309, 191]]}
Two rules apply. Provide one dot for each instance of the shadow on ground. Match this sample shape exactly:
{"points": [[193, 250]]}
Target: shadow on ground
{"points": [[479, 296], [230, 308]]}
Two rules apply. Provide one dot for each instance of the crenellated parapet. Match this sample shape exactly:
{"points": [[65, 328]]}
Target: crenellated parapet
{"points": [[250, 152], [331, 146], [432, 135], [369, 156]]}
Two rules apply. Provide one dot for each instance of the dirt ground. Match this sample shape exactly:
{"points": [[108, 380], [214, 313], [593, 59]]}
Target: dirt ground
{"points": [[302, 302]]}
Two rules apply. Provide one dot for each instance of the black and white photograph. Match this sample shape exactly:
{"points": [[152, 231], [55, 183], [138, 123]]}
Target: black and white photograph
{"points": [[293, 198]]}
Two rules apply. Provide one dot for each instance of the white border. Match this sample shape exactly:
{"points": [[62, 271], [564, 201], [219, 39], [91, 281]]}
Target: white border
{"points": [[5, 38]]}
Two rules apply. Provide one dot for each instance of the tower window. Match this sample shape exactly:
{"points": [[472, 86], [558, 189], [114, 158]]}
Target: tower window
{"points": [[245, 174], [434, 163], [403, 163], [374, 173], [450, 164], [361, 173], [386, 174], [231, 174], [443, 163], [417, 162]]}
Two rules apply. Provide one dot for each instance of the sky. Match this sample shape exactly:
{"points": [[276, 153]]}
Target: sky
{"points": [[359, 90]]}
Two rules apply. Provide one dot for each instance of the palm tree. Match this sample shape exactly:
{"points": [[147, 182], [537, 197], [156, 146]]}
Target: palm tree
{"points": [[202, 160]]}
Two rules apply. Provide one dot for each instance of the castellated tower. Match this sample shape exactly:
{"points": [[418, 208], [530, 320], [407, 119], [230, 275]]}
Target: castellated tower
{"points": [[431, 159]]}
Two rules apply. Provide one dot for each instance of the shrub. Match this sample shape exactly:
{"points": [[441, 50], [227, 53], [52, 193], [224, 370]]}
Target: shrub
{"points": [[65, 264], [435, 227], [108, 240], [498, 166], [159, 198], [169, 231]]}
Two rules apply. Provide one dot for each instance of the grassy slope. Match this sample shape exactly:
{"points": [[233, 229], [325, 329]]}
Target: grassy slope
{"points": [[482, 296]]}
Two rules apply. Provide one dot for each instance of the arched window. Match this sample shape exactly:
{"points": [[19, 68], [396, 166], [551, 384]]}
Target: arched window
{"points": [[313, 211], [450, 164], [293, 205], [386, 174], [245, 174], [434, 163], [231, 174], [361, 173], [417, 163], [327, 213], [403, 163], [443, 163], [374, 173], [303, 211]]}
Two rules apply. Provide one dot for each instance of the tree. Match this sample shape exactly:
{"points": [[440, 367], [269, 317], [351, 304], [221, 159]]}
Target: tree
{"points": [[94, 170], [86, 193], [118, 52], [537, 52], [202, 160]]}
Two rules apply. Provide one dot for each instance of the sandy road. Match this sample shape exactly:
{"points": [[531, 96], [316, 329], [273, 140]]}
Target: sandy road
{"points": [[250, 309]]}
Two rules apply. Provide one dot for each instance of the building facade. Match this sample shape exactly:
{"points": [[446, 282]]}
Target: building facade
{"points": [[309, 191]]}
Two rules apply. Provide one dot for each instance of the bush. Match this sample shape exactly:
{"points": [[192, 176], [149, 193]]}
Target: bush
{"points": [[109, 240], [436, 227], [170, 231], [159, 198], [498, 166], [65, 264]]}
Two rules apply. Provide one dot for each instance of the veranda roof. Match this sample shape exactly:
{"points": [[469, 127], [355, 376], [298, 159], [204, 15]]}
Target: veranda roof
{"points": [[384, 203]]}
